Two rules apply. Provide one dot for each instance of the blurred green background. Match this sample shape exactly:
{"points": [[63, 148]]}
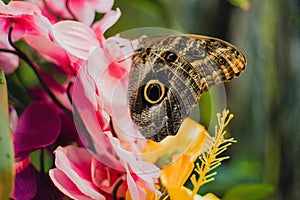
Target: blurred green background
{"points": [[265, 98]]}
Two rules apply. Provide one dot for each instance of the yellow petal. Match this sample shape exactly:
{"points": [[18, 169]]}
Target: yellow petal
{"points": [[176, 174], [192, 138], [149, 194], [179, 194]]}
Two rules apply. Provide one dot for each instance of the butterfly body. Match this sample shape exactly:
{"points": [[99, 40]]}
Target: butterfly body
{"points": [[168, 76]]}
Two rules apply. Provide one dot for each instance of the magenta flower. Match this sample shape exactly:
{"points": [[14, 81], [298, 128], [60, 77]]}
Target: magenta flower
{"points": [[36, 128]]}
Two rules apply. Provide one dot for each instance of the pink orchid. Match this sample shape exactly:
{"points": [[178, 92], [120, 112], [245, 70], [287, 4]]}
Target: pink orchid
{"points": [[26, 19], [82, 10], [78, 39], [82, 175], [68, 42], [104, 125], [30, 25]]}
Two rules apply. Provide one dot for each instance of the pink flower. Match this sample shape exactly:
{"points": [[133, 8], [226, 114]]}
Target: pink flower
{"points": [[83, 10], [68, 42], [26, 19], [80, 176], [31, 26], [103, 122], [94, 174], [78, 39]]}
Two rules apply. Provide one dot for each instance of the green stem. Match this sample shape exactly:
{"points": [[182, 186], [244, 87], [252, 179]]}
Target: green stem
{"points": [[42, 166]]}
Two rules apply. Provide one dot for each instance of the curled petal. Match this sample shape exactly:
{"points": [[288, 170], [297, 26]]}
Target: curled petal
{"points": [[75, 163], [109, 19], [66, 185]]}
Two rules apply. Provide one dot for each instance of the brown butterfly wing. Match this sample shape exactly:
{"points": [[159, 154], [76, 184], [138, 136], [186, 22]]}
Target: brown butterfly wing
{"points": [[186, 66], [215, 60]]}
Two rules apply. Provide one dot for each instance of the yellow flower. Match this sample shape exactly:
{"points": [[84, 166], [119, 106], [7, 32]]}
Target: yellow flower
{"points": [[176, 155], [192, 139]]}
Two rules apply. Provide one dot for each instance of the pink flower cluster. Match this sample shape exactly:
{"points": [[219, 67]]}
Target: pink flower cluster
{"points": [[106, 162]]}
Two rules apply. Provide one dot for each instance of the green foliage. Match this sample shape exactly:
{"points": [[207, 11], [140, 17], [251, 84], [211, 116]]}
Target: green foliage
{"points": [[6, 146], [6, 1], [244, 4], [249, 192]]}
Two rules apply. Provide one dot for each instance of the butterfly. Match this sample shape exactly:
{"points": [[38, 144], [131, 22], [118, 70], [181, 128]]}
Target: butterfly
{"points": [[169, 74]]}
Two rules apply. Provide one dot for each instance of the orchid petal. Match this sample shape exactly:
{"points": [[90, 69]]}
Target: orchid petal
{"points": [[38, 127], [66, 185], [102, 6], [75, 164], [109, 19], [83, 10], [25, 186], [75, 37], [18, 8]]}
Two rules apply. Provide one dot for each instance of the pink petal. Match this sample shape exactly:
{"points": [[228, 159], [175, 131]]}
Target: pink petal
{"points": [[136, 192], [109, 19], [75, 37], [83, 10], [105, 177], [51, 52], [112, 80], [102, 6], [18, 8], [146, 172], [57, 8], [84, 99], [39, 126], [8, 62], [75, 163], [26, 17], [65, 185], [13, 119]]}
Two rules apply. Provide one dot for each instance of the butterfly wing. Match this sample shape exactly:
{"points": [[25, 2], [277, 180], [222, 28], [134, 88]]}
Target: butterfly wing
{"points": [[178, 69], [215, 60]]}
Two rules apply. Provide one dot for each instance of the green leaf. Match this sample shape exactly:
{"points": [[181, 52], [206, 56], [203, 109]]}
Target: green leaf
{"points": [[6, 145], [249, 192]]}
